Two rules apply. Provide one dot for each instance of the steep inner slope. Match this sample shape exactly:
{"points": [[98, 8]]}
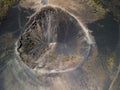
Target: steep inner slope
{"points": [[94, 73], [55, 40]]}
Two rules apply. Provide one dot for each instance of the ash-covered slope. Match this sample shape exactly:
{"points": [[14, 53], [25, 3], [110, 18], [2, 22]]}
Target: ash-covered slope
{"points": [[64, 35], [55, 40]]}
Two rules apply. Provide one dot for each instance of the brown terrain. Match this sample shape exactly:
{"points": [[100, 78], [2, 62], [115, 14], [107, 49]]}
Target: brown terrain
{"points": [[29, 37]]}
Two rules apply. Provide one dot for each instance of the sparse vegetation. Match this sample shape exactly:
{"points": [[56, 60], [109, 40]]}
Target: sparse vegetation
{"points": [[110, 60], [98, 2], [98, 11], [111, 6], [4, 6]]}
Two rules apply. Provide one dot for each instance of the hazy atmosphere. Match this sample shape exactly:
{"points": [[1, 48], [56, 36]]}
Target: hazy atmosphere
{"points": [[59, 45]]}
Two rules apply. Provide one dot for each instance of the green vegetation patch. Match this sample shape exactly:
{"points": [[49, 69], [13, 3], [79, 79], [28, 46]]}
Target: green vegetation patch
{"points": [[98, 2]]}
